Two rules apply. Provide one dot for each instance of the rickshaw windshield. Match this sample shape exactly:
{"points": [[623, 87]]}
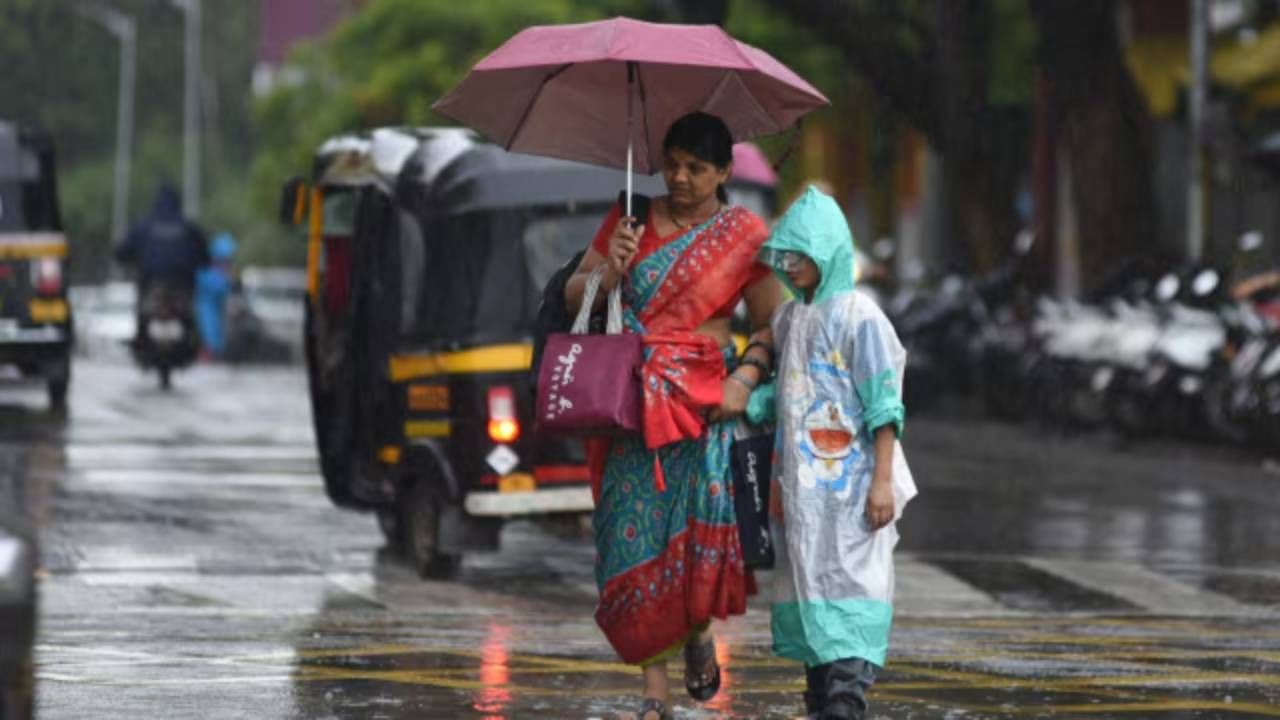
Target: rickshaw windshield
{"points": [[26, 203], [550, 241], [339, 211]]}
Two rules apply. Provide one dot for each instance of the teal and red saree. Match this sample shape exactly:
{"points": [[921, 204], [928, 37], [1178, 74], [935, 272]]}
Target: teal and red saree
{"points": [[668, 558]]}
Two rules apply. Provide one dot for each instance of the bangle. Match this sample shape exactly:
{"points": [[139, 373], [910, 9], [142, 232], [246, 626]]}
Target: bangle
{"points": [[768, 349], [765, 372], [740, 381]]}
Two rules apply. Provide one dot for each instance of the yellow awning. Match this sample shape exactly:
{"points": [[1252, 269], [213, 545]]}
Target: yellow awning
{"points": [[1160, 66]]}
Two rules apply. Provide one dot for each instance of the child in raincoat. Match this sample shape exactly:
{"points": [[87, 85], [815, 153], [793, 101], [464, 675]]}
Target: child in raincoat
{"points": [[838, 467]]}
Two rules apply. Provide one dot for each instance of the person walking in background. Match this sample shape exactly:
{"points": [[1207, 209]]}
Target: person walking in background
{"points": [[213, 285], [841, 479]]}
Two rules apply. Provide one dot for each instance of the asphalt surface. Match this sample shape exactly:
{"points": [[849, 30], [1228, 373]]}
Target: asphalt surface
{"points": [[193, 568]]}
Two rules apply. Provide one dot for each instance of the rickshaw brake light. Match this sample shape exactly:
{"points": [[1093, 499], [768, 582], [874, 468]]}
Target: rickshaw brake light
{"points": [[47, 276], [504, 424]]}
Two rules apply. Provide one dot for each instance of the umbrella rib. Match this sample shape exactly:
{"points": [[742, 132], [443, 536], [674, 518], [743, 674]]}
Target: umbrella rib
{"points": [[528, 108]]}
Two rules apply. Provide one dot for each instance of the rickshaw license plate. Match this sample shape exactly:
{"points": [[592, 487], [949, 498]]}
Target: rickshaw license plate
{"points": [[517, 482], [164, 330]]}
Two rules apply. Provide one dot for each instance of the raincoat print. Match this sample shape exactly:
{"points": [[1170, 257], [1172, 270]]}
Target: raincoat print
{"points": [[839, 379]]}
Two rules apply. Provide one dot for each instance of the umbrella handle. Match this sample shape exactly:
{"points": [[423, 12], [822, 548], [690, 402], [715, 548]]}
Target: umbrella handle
{"points": [[631, 84]]}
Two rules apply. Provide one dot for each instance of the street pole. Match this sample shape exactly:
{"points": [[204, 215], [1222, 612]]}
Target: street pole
{"points": [[191, 108], [1198, 98], [125, 30]]}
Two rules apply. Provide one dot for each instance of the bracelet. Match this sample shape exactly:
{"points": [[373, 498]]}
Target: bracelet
{"points": [[768, 349], [765, 372], [740, 381]]}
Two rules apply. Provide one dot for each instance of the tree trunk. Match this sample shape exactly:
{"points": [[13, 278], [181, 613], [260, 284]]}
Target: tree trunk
{"points": [[984, 147], [939, 84], [1107, 131]]}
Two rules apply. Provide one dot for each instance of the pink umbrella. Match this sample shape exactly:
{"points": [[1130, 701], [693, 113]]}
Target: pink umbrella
{"points": [[568, 91], [751, 165]]}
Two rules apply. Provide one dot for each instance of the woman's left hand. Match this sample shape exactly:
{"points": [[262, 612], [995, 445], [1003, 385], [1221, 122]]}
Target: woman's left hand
{"points": [[733, 401]]}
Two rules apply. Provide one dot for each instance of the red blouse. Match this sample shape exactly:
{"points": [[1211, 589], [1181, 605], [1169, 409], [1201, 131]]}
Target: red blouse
{"points": [[651, 241]]}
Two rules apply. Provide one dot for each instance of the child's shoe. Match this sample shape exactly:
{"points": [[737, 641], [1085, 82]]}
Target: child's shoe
{"points": [[846, 684]]}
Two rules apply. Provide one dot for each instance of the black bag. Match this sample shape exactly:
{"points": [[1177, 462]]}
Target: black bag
{"points": [[751, 464], [553, 315]]}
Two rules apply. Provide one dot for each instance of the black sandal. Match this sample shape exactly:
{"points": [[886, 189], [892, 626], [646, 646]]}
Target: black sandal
{"points": [[654, 705], [701, 670]]}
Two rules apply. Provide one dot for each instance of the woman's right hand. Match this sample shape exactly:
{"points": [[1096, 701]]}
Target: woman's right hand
{"points": [[624, 244]]}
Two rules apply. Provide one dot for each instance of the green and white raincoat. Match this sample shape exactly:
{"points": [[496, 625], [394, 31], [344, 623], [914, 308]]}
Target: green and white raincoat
{"points": [[839, 378]]}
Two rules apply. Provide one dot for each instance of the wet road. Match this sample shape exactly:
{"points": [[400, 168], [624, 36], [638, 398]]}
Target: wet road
{"points": [[194, 569]]}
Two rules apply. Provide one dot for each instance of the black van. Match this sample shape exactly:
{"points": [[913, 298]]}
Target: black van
{"points": [[35, 317], [428, 252]]}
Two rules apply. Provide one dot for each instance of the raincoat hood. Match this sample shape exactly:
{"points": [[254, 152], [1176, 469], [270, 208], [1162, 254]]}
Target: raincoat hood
{"points": [[223, 247], [815, 226], [168, 204]]}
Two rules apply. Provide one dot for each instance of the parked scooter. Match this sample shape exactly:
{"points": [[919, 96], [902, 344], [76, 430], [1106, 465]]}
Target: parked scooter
{"points": [[944, 332]]}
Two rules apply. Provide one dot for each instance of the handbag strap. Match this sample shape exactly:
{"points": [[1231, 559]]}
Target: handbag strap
{"points": [[613, 324]]}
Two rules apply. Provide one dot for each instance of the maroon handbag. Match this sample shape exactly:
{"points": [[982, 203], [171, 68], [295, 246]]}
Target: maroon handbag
{"points": [[590, 384]]}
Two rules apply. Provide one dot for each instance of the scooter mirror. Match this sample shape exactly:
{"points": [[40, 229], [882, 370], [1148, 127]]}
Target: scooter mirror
{"points": [[1205, 283], [1250, 241], [883, 249], [1024, 242], [1167, 288]]}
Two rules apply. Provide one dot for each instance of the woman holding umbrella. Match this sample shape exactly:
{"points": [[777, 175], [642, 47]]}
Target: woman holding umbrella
{"points": [[668, 556]]}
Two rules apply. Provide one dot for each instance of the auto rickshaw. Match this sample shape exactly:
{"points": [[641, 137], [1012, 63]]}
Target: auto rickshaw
{"points": [[428, 253], [35, 318]]}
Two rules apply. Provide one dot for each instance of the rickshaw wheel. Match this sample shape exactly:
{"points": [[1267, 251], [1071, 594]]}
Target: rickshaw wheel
{"points": [[58, 393], [389, 524], [420, 521]]}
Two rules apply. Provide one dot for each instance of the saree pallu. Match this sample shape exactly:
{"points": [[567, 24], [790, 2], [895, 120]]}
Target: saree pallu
{"points": [[668, 558]]}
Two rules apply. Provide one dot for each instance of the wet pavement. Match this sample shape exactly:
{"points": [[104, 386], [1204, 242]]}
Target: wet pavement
{"points": [[194, 569]]}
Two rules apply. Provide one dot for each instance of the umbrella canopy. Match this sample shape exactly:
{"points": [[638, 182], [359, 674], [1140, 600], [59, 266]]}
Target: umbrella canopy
{"points": [[569, 91]]}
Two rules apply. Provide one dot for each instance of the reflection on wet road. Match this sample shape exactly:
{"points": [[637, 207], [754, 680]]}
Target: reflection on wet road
{"points": [[194, 569]]}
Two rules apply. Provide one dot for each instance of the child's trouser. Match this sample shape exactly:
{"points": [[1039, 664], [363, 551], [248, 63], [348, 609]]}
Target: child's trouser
{"points": [[839, 688]]}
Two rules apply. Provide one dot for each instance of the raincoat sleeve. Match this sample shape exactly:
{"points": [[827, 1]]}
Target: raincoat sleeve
{"points": [[878, 359]]}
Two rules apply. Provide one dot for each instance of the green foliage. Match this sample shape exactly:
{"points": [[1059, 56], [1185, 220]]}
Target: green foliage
{"points": [[60, 73], [1011, 60], [386, 65], [755, 23]]}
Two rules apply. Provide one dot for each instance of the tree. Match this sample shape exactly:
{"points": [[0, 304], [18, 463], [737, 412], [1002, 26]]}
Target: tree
{"points": [[60, 74], [1106, 128], [957, 70], [386, 65]]}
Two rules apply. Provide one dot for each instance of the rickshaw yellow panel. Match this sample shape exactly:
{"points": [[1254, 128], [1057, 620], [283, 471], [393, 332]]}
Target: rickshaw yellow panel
{"points": [[428, 428], [30, 250], [48, 311], [494, 358]]}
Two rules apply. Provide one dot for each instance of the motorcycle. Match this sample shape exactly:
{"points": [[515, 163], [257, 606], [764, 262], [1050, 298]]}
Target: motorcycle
{"points": [[944, 332], [166, 339]]}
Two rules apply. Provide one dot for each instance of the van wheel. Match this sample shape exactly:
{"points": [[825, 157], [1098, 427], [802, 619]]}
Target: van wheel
{"points": [[420, 520], [58, 393], [389, 524]]}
